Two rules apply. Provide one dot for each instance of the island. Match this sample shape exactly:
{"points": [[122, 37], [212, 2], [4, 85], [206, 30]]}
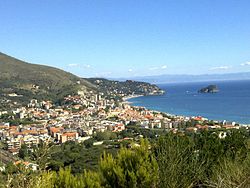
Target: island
{"points": [[209, 89], [60, 130]]}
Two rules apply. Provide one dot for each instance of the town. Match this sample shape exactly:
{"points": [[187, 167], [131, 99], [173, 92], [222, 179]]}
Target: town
{"points": [[81, 116]]}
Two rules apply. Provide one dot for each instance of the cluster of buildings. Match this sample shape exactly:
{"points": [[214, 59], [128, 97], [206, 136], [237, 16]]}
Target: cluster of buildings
{"points": [[128, 87], [82, 115], [76, 120]]}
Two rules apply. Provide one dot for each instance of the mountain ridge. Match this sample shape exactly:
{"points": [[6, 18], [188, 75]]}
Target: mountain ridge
{"points": [[21, 81], [38, 81]]}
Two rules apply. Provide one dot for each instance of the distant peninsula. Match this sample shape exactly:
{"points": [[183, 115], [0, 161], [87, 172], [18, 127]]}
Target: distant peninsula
{"points": [[209, 89]]}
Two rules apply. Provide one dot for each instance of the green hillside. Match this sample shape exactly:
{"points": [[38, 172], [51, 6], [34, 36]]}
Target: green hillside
{"points": [[37, 81], [128, 87]]}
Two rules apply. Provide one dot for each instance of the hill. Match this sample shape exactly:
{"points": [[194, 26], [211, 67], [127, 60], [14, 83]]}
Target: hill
{"points": [[126, 88], [22, 81]]}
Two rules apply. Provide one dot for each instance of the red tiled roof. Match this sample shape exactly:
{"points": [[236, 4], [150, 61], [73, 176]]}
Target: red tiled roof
{"points": [[55, 130], [69, 134]]}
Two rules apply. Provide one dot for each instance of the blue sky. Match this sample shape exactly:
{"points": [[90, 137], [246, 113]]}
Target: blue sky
{"points": [[125, 38]]}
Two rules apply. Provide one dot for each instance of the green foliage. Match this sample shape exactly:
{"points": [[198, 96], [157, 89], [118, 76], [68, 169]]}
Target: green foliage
{"points": [[177, 163], [2, 181], [150, 134], [174, 161], [130, 168], [235, 143], [66, 180], [41, 155], [19, 77], [88, 143], [203, 160], [10, 168], [128, 87], [91, 179], [106, 135], [231, 174], [77, 156], [13, 120], [23, 152], [62, 179], [19, 178]]}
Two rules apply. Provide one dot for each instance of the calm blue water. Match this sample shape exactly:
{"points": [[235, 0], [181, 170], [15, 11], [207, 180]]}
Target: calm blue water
{"points": [[231, 103]]}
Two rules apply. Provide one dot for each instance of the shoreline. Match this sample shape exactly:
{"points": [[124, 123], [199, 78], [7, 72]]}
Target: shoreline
{"points": [[125, 100]]}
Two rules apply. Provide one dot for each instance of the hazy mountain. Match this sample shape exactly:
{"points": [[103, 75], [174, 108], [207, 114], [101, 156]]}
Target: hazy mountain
{"points": [[191, 78]]}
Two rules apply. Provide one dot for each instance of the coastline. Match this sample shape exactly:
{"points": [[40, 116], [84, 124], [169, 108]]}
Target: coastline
{"points": [[231, 103], [125, 100]]}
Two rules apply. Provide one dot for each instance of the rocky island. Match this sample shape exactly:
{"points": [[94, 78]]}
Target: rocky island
{"points": [[209, 89]]}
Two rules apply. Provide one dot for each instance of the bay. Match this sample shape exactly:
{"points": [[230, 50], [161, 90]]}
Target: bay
{"points": [[231, 103]]}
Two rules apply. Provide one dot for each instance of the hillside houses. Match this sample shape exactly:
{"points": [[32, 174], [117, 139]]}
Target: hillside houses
{"points": [[81, 116]]}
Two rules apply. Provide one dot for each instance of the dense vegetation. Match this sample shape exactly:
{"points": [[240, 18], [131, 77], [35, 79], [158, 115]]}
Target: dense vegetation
{"points": [[171, 160], [128, 87]]}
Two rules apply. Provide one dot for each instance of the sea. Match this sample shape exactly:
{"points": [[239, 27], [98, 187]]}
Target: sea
{"points": [[231, 103]]}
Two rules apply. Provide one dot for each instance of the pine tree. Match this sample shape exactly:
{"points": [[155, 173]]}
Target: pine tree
{"points": [[130, 168]]}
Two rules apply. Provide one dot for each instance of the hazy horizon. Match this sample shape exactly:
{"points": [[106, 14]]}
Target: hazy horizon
{"points": [[129, 38]]}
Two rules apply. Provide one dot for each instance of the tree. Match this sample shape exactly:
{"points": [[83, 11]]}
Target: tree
{"points": [[177, 161], [23, 152], [130, 168], [11, 168], [88, 143], [106, 135], [41, 155]]}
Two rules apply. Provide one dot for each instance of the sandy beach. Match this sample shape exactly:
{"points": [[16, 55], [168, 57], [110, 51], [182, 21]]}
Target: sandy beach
{"points": [[125, 99]]}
